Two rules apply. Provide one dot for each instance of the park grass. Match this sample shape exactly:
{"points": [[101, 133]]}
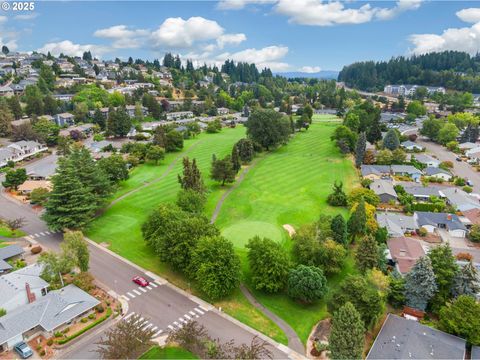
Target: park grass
{"points": [[168, 352], [9, 233]]}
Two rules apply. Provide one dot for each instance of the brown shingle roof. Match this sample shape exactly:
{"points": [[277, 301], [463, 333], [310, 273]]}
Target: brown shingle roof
{"points": [[405, 252]]}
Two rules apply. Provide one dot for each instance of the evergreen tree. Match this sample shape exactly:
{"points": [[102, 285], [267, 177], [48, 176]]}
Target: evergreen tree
{"points": [[367, 254], [360, 149], [236, 164], [338, 197], [339, 230], [466, 281], [306, 284], [445, 269], [99, 119], [6, 118], [160, 137], [396, 290], [222, 170], [391, 141], [420, 285], [15, 107], [246, 150], [347, 335], [374, 132], [357, 224], [192, 178]]}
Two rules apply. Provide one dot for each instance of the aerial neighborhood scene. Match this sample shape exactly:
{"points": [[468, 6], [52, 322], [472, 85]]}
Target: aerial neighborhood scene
{"points": [[240, 179]]}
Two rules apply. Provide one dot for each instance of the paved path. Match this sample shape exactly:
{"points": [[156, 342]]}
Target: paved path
{"points": [[160, 178], [220, 202], [294, 341]]}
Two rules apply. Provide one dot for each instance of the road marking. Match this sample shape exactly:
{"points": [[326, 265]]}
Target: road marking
{"points": [[47, 232], [153, 284], [142, 289], [199, 311], [154, 328], [42, 234], [171, 327], [130, 314], [124, 297], [187, 317], [192, 313], [131, 295], [201, 307], [183, 320], [137, 292], [178, 325], [149, 288], [157, 333], [139, 321], [146, 327], [36, 235]]}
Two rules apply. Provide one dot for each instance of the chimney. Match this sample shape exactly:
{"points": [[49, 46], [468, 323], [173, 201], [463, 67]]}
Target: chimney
{"points": [[30, 294], [449, 217]]}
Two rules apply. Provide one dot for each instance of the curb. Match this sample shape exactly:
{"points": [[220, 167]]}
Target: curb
{"points": [[291, 353]]}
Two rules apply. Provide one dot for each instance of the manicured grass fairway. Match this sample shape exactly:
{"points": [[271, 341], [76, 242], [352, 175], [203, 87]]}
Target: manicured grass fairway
{"points": [[169, 352]]}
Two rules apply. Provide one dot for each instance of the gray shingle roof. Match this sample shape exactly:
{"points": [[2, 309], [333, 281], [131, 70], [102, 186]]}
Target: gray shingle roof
{"points": [[431, 171], [400, 338], [452, 221], [460, 199], [380, 187], [419, 190], [405, 169], [396, 224], [374, 169], [475, 353], [49, 312], [10, 251]]}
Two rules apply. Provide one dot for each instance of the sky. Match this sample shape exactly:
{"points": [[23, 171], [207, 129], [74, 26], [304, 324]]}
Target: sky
{"points": [[284, 35]]}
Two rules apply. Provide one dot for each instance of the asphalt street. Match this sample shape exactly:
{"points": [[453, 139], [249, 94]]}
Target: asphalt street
{"points": [[162, 306]]}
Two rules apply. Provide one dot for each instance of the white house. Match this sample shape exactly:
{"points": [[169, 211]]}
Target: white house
{"points": [[19, 151], [432, 222], [427, 160], [410, 145], [438, 173], [179, 115]]}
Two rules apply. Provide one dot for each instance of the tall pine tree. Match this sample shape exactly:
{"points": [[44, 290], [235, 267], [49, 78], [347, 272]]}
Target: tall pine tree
{"points": [[360, 149], [347, 335], [466, 281], [192, 178]]}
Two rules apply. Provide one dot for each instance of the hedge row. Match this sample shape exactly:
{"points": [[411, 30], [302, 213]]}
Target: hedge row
{"points": [[428, 207], [86, 328]]}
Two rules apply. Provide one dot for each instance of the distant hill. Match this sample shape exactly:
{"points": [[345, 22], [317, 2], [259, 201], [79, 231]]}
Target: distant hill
{"points": [[324, 74]]}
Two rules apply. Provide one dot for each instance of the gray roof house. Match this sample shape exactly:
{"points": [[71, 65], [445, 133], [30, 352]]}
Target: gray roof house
{"points": [[407, 170], [64, 119], [410, 145], [421, 192], [396, 224], [376, 171], [384, 189], [467, 146], [7, 253], [44, 315], [400, 338], [460, 199], [427, 160], [435, 221], [42, 169], [438, 173], [475, 353]]}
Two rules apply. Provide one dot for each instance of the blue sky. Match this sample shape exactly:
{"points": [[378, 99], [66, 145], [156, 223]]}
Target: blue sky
{"points": [[286, 35]]}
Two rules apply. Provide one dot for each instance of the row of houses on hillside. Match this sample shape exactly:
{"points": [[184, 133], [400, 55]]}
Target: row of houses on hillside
{"points": [[19, 151], [409, 90]]}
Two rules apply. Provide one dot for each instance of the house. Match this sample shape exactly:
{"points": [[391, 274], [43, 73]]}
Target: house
{"points": [[396, 224], [467, 146], [44, 315], [64, 119], [98, 146], [42, 169], [432, 222], [427, 160], [473, 215], [438, 173], [6, 91], [407, 170], [423, 193], [19, 151], [400, 338], [179, 115], [404, 252], [10, 252], [411, 146], [384, 189], [460, 199], [222, 111], [13, 286], [84, 129], [473, 153], [130, 109], [409, 90], [374, 172], [28, 186]]}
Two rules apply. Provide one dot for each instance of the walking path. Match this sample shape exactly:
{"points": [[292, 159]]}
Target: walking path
{"points": [[220, 202], [294, 341]]}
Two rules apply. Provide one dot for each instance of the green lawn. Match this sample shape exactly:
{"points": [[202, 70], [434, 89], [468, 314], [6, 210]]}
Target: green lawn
{"points": [[168, 352], [8, 233]]}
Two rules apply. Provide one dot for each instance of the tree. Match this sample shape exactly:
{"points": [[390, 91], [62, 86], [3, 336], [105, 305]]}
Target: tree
{"points": [[246, 150], [128, 339], [15, 178], [269, 264], [33, 99], [343, 135], [16, 223], [338, 197], [347, 334], [39, 196], [420, 284], [396, 290], [54, 265], [191, 201], [367, 253], [466, 281], [362, 294], [374, 132], [6, 118], [160, 137], [462, 318], [330, 257], [118, 122], [5, 50], [449, 132], [47, 131], [306, 284], [214, 126], [352, 121], [416, 108], [114, 167], [155, 153], [360, 149], [99, 119], [445, 269], [384, 157], [431, 127], [215, 266], [236, 163], [173, 234], [174, 141], [222, 170], [474, 234], [360, 193], [357, 223], [76, 247], [268, 128], [391, 140], [339, 230], [15, 107], [398, 156], [192, 178]]}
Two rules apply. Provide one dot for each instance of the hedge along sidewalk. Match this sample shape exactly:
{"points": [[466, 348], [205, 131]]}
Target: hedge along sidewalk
{"points": [[86, 328]]}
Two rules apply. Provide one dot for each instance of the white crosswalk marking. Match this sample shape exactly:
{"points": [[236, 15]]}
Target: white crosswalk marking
{"points": [[47, 232], [131, 295], [177, 324], [154, 328], [201, 307], [42, 234], [137, 292], [129, 315], [199, 311], [192, 313], [187, 317], [157, 333], [142, 289], [36, 235], [149, 288], [125, 298], [139, 321], [171, 327], [182, 320], [146, 327], [153, 284]]}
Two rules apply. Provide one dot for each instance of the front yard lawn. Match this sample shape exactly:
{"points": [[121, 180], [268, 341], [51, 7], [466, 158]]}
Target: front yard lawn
{"points": [[9, 233], [168, 352]]}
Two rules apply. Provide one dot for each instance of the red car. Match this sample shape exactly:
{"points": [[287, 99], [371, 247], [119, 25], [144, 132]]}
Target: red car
{"points": [[140, 281]]}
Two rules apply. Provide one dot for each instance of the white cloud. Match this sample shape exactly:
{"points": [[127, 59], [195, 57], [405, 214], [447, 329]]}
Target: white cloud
{"points": [[10, 43], [69, 48], [122, 36], [269, 56], [29, 16], [3, 19], [180, 33], [461, 39], [321, 13], [310, 69], [240, 4], [230, 39]]}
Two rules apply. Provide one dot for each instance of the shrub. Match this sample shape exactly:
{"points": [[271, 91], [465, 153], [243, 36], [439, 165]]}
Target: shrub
{"points": [[39, 347], [84, 320], [66, 330], [422, 231], [86, 328], [100, 309], [36, 249], [91, 316], [107, 303], [460, 182], [84, 281], [467, 189], [57, 334], [50, 342], [42, 353]]}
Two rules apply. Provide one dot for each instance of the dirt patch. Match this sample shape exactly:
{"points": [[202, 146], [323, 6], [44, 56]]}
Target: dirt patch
{"points": [[290, 229], [319, 334]]}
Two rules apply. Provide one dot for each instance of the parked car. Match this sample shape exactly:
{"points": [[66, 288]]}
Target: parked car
{"points": [[458, 158], [23, 350], [469, 182], [140, 281]]}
